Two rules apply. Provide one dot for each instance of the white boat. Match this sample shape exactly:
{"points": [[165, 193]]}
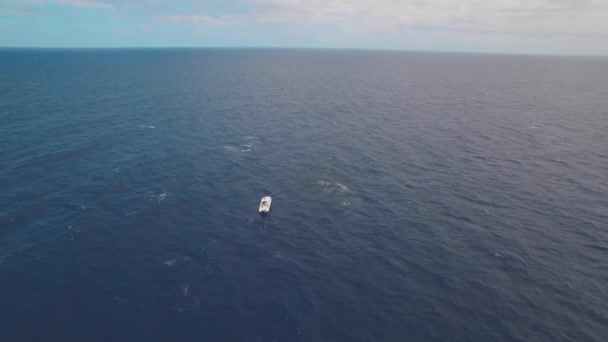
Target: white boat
{"points": [[265, 204]]}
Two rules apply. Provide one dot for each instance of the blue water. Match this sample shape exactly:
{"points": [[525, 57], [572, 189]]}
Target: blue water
{"points": [[416, 197]]}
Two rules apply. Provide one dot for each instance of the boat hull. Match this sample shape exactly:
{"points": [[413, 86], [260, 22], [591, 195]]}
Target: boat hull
{"points": [[265, 205]]}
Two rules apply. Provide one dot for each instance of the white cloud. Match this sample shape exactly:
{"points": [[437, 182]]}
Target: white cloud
{"points": [[200, 19], [523, 25], [515, 16], [541, 17], [95, 4], [529, 26], [16, 11]]}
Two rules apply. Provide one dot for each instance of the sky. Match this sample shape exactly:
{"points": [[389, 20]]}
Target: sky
{"points": [[578, 27]]}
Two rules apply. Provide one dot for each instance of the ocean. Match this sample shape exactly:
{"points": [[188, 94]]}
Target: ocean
{"points": [[416, 196]]}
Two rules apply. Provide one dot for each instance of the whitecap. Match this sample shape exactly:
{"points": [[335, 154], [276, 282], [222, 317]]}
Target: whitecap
{"points": [[246, 150], [328, 190], [323, 182], [185, 289], [181, 306], [169, 262], [161, 198], [146, 127], [342, 187], [498, 255], [229, 148]]}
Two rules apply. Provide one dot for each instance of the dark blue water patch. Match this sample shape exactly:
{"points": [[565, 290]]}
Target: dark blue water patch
{"points": [[415, 196]]}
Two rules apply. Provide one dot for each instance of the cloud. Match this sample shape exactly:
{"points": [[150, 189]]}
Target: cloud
{"points": [[522, 16], [517, 17], [94, 4], [19, 11], [200, 19], [523, 25]]}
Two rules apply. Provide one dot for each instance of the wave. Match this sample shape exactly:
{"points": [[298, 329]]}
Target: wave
{"points": [[230, 148], [330, 187], [342, 187]]}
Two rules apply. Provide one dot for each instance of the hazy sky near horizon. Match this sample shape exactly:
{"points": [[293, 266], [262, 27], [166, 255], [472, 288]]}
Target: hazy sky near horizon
{"points": [[510, 26]]}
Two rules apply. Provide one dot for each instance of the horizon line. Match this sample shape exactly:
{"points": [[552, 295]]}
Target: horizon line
{"points": [[538, 54]]}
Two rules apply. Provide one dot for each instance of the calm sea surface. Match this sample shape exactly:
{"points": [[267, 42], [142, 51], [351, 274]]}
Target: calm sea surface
{"points": [[416, 197]]}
